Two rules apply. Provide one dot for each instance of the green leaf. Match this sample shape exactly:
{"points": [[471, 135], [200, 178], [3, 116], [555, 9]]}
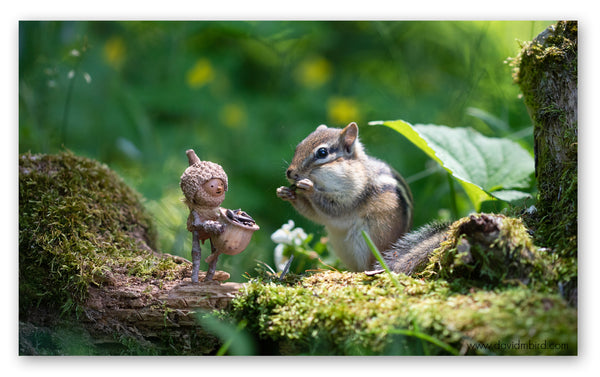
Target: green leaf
{"points": [[495, 123], [487, 168], [236, 341], [511, 196]]}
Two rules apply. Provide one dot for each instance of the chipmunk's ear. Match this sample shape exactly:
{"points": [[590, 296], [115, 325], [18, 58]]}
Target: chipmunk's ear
{"points": [[348, 137], [321, 127]]}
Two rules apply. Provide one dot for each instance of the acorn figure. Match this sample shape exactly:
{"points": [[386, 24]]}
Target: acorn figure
{"points": [[204, 184]]}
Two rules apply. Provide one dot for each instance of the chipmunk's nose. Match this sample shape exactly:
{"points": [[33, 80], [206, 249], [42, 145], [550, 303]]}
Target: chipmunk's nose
{"points": [[290, 174]]}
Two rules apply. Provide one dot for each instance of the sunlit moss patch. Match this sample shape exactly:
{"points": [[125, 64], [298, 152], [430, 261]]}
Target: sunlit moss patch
{"points": [[343, 313], [79, 224]]}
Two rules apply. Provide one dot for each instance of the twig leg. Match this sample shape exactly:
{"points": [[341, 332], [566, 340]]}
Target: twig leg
{"points": [[212, 263], [196, 254]]}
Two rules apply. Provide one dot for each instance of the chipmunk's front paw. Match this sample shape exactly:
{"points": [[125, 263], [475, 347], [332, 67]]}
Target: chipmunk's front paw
{"points": [[286, 193], [305, 184]]}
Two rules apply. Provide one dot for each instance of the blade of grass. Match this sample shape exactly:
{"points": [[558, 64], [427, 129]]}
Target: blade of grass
{"points": [[379, 258], [426, 338]]}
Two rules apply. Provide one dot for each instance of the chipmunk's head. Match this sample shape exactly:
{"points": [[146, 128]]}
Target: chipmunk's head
{"points": [[323, 151]]}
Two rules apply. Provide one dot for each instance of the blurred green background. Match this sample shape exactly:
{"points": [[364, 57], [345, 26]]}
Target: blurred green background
{"points": [[136, 95]]}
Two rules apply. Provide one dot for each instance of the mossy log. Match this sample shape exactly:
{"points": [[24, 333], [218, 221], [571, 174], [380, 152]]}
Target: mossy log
{"points": [[158, 317], [486, 290], [87, 261], [546, 71]]}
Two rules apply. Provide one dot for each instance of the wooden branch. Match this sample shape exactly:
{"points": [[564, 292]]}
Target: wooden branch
{"points": [[148, 312]]}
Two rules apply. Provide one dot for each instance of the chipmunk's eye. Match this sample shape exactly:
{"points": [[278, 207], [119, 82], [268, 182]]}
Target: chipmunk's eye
{"points": [[321, 152]]}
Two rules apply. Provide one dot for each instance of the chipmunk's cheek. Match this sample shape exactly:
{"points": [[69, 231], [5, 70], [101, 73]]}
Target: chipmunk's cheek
{"points": [[330, 179]]}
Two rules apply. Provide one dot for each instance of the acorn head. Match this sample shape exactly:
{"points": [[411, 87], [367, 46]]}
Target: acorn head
{"points": [[203, 183]]}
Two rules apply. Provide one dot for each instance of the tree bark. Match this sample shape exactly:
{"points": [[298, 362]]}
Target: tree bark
{"points": [[546, 71], [547, 75], [130, 315], [149, 312]]}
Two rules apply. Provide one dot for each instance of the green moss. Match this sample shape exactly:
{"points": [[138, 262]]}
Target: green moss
{"points": [[78, 224], [63, 339], [343, 313], [504, 254], [546, 71], [551, 49], [487, 290]]}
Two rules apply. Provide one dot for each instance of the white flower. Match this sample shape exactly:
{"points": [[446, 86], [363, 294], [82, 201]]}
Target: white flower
{"points": [[284, 235], [298, 236], [280, 260], [288, 235]]}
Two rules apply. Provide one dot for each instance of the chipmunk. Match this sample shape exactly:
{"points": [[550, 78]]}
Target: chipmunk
{"points": [[336, 184]]}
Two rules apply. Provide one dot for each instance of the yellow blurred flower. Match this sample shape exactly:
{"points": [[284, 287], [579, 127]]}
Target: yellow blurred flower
{"points": [[342, 110], [233, 115], [200, 74], [313, 72], [114, 52]]}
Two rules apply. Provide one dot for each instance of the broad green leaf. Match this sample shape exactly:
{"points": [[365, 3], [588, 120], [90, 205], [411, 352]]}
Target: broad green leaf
{"points": [[511, 195], [495, 123], [486, 167]]}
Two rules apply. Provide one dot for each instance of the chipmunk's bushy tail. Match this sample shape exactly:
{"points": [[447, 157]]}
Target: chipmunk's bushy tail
{"points": [[411, 252]]}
